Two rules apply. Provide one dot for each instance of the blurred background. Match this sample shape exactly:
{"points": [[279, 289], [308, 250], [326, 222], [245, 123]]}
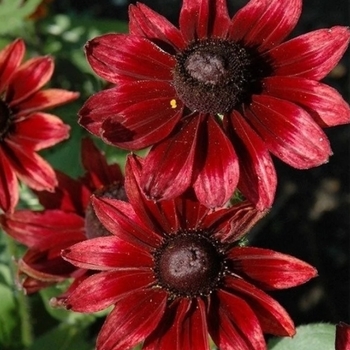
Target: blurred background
{"points": [[311, 216]]}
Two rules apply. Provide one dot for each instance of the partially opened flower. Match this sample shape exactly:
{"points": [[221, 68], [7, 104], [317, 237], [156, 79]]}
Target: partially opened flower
{"points": [[67, 218], [24, 128], [216, 97], [175, 272]]}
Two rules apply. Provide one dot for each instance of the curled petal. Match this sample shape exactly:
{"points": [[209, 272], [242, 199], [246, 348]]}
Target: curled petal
{"points": [[312, 55], [289, 132], [323, 102], [270, 269]]}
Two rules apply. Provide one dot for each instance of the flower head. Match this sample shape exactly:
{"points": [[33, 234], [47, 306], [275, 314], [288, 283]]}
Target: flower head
{"points": [[67, 218], [175, 271], [24, 128], [216, 97]]}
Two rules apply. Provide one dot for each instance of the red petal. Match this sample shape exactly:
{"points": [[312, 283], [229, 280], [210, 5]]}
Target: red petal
{"points": [[342, 336], [44, 230], [289, 132], [220, 166], [28, 79], [168, 167], [107, 253], [312, 55], [30, 167], [9, 191], [323, 103], [104, 289], [265, 23], [269, 269], [201, 19], [132, 320], [40, 130], [233, 324], [99, 172], [258, 178], [10, 58], [229, 225], [272, 317], [145, 22], [122, 57], [121, 220], [44, 99]]}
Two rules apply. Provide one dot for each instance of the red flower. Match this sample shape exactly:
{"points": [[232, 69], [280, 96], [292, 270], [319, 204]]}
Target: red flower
{"points": [[24, 129], [68, 218], [217, 96], [342, 338], [175, 272]]}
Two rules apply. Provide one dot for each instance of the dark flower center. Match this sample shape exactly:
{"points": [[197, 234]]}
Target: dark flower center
{"points": [[5, 120], [93, 226], [215, 75], [189, 264]]}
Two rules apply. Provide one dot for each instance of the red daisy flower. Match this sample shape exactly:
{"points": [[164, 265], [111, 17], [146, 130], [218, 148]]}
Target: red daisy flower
{"points": [[68, 218], [342, 336], [24, 129], [217, 96], [174, 271]]}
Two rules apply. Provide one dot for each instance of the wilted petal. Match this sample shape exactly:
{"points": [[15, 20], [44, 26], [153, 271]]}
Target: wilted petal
{"points": [[323, 102], [312, 55], [269, 269], [289, 132], [132, 320]]}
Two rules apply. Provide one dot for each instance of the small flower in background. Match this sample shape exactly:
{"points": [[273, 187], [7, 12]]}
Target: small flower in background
{"points": [[175, 271], [67, 218], [342, 336], [24, 128], [217, 96]]}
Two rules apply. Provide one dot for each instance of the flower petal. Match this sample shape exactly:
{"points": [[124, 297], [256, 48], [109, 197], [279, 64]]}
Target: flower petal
{"points": [[272, 317], [30, 167], [28, 79], [323, 103], [168, 167], [40, 130], [10, 58], [44, 99], [269, 269], [9, 191], [342, 336], [143, 21], [132, 320], [265, 23], [104, 289], [121, 57], [257, 179], [312, 55], [120, 219], [289, 132], [233, 324], [219, 166], [107, 253], [200, 19]]}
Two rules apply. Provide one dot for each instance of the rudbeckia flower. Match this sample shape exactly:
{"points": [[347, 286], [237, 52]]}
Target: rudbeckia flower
{"points": [[176, 273], [67, 218], [216, 97], [24, 128]]}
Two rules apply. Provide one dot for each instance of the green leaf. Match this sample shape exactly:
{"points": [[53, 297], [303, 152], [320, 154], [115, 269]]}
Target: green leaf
{"points": [[317, 336], [14, 12]]}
